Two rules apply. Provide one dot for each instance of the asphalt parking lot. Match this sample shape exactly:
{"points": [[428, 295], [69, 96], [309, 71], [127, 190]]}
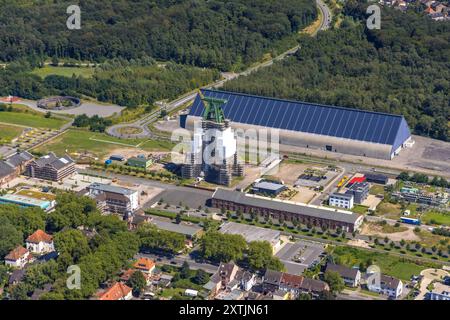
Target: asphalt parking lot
{"points": [[300, 255]]}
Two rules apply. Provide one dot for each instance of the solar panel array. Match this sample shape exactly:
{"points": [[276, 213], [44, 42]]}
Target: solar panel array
{"points": [[310, 118]]}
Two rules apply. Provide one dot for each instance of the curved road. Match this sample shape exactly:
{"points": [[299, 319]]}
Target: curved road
{"points": [[326, 14], [144, 122]]}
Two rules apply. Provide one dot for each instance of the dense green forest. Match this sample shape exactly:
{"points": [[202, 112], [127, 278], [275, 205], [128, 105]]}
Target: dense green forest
{"points": [[214, 34], [403, 68], [127, 83]]}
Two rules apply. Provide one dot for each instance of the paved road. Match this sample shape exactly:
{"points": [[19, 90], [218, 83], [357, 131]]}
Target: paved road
{"points": [[326, 13], [87, 107], [146, 120]]}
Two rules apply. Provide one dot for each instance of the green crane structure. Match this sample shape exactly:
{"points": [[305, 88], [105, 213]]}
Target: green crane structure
{"points": [[213, 109]]}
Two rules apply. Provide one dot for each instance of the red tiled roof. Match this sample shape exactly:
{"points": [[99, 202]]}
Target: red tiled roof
{"points": [[127, 275], [291, 280], [118, 291], [40, 236], [144, 264], [16, 253]]}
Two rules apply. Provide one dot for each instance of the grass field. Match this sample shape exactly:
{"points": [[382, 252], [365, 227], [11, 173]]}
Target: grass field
{"points": [[360, 209], [98, 144], [434, 217], [376, 189], [390, 265], [86, 72], [30, 120], [7, 133]]}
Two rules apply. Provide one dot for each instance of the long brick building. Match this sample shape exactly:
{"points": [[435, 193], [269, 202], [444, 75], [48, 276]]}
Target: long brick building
{"points": [[289, 211]]}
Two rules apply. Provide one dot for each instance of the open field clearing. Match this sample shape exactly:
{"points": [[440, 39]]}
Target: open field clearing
{"points": [[30, 120], [394, 266], [96, 144], [8, 133], [86, 72]]}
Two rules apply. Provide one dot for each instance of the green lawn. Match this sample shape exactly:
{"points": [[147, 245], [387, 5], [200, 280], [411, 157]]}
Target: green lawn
{"points": [[7, 133], [30, 120], [98, 144], [86, 72], [360, 209], [394, 266], [434, 217], [376, 189]]}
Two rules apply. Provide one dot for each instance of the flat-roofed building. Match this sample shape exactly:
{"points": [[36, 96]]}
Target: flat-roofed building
{"points": [[50, 167], [341, 200], [114, 199], [24, 201], [287, 210], [269, 188], [189, 231], [252, 233], [139, 162], [359, 190]]}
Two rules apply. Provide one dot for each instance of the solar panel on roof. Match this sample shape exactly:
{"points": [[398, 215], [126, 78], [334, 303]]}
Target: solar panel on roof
{"points": [[310, 118]]}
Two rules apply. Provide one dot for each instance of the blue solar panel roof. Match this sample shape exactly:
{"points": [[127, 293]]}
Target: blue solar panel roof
{"points": [[310, 118]]}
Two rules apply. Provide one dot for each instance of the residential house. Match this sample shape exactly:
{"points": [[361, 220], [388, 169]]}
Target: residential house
{"points": [[387, 285], [351, 276], [16, 277], [126, 275], [247, 280], [145, 265], [50, 167], [225, 274], [40, 242], [137, 219], [294, 284], [18, 257], [119, 291]]}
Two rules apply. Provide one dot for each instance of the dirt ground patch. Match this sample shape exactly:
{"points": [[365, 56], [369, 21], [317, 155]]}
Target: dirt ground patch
{"points": [[289, 172], [375, 230], [304, 195], [358, 243], [132, 152]]}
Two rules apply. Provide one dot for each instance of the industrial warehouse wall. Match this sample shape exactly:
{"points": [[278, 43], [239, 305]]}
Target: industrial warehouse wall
{"points": [[314, 141]]}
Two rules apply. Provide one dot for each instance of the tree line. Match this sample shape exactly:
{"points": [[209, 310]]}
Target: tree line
{"points": [[213, 34], [127, 83], [403, 68]]}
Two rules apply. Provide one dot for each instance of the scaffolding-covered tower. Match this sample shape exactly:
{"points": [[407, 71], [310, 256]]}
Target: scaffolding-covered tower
{"points": [[213, 153]]}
